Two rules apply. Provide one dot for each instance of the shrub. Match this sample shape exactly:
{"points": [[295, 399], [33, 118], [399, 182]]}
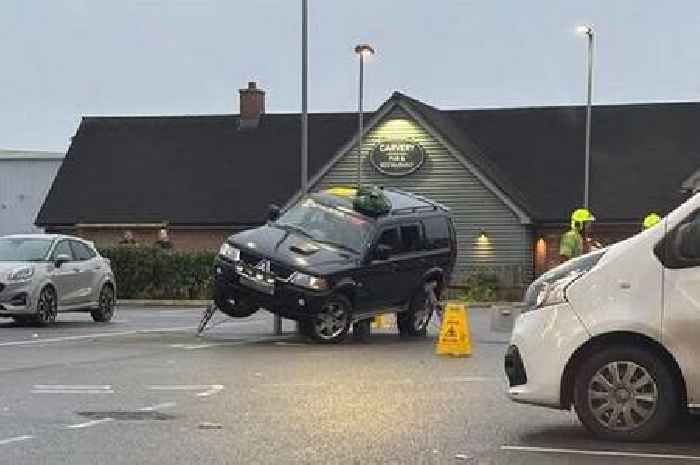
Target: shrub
{"points": [[479, 287], [153, 273]]}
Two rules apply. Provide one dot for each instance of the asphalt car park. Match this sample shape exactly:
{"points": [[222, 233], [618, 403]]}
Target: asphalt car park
{"points": [[144, 389]]}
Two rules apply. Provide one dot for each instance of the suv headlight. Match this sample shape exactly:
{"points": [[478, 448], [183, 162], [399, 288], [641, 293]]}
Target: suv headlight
{"points": [[230, 252], [308, 281], [21, 274]]}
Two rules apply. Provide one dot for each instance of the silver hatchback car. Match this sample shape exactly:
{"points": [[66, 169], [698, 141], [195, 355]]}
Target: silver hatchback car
{"points": [[42, 275]]}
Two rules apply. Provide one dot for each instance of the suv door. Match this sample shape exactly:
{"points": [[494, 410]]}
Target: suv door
{"points": [[439, 250], [65, 277], [87, 266], [378, 278], [681, 305]]}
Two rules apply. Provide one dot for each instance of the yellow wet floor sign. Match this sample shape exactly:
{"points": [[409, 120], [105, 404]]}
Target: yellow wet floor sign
{"points": [[454, 336]]}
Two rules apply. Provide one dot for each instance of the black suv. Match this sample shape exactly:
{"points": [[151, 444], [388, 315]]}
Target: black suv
{"points": [[325, 264]]}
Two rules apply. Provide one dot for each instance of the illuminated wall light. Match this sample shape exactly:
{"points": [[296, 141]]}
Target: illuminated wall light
{"points": [[483, 238]]}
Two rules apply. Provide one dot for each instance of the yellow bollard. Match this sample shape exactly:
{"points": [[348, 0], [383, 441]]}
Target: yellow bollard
{"points": [[454, 338]]}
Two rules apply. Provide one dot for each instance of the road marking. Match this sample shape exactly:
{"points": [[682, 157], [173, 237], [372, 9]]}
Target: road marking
{"points": [[606, 453], [471, 379], [90, 423], [158, 406], [209, 389], [71, 389], [95, 336], [15, 439]]}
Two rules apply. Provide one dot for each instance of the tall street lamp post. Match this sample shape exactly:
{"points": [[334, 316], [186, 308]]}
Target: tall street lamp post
{"points": [[361, 50], [588, 31]]}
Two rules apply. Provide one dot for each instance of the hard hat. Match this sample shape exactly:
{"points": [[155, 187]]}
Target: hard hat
{"points": [[581, 215], [650, 220]]}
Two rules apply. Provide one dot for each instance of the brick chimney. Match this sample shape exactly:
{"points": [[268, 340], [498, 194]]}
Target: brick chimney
{"points": [[252, 105]]}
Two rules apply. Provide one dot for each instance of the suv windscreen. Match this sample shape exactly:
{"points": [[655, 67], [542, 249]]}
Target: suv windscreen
{"points": [[24, 249], [327, 224]]}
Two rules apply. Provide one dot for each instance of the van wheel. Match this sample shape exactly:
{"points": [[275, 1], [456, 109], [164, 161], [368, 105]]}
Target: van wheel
{"points": [[414, 322], [626, 394], [105, 309], [331, 324], [234, 308]]}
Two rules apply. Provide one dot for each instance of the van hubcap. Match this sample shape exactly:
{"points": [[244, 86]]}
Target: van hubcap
{"points": [[622, 396], [331, 321]]}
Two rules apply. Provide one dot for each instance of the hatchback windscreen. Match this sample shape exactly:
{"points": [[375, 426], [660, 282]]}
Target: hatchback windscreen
{"points": [[327, 224], [24, 249]]}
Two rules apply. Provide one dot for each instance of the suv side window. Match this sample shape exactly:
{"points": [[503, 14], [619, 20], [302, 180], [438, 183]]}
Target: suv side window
{"points": [[410, 238], [437, 233], [390, 237], [81, 251], [63, 248]]}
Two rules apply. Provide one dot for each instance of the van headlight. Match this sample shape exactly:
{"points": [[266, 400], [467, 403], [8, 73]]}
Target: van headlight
{"points": [[230, 252], [308, 281], [21, 274], [555, 293]]}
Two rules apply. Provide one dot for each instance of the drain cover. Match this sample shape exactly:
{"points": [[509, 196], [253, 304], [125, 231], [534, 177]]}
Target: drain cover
{"points": [[137, 415]]}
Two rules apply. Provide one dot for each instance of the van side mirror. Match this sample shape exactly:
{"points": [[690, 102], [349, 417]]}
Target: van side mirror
{"points": [[382, 252], [60, 259], [274, 212], [689, 241]]}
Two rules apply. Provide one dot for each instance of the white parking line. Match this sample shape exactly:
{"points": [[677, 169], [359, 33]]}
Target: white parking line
{"points": [[547, 450], [157, 406], [95, 336], [209, 389], [71, 389], [15, 439], [89, 423]]}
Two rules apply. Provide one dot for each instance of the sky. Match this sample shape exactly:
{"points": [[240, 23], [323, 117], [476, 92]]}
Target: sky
{"points": [[64, 59]]}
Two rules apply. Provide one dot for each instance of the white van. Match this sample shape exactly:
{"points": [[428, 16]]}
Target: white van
{"points": [[616, 333]]}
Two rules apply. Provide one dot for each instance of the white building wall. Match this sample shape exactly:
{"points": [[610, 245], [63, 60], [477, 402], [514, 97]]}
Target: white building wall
{"points": [[25, 179]]}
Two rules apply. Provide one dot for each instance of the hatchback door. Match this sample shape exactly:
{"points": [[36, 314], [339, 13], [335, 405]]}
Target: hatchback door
{"points": [[65, 277], [88, 271], [681, 316]]}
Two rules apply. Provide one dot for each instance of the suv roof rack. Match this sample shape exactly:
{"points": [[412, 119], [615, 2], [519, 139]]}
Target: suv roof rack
{"points": [[431, 204]]}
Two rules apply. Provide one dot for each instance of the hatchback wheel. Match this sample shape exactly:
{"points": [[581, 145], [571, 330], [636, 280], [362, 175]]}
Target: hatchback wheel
{"points": [[626, 394], [331, 324], [105, 310], [47, 307]]}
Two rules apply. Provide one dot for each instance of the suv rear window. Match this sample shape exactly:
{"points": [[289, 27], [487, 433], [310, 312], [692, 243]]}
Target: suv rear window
{"points": [[410, 238], [437, 233]]}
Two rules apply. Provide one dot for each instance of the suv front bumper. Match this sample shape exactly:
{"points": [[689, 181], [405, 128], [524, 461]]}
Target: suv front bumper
{"points": [[288, 301]]}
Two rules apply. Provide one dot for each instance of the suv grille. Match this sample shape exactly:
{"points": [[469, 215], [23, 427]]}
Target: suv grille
{"points": [[278, 270]]}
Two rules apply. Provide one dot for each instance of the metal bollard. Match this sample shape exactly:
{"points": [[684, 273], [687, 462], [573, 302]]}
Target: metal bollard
{"points": [[278, 325]]}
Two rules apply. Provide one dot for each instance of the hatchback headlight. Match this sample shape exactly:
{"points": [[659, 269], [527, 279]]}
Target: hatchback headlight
{"points": [[308, 281], [21, 274], [230, 252]]}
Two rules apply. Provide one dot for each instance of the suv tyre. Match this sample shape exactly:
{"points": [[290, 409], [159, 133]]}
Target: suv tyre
{"points": [[414, 321], [331, 324], [240, 309], [626, 393], [47, 307], [105, 309]]}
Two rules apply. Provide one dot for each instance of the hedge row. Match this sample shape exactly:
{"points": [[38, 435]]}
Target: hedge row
{"points": [[153, 273]]}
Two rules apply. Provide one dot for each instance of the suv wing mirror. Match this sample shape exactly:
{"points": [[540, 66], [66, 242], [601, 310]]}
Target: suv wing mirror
{"points": [[689, 241], [60, 259], [382, 252], [274, 212]]}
